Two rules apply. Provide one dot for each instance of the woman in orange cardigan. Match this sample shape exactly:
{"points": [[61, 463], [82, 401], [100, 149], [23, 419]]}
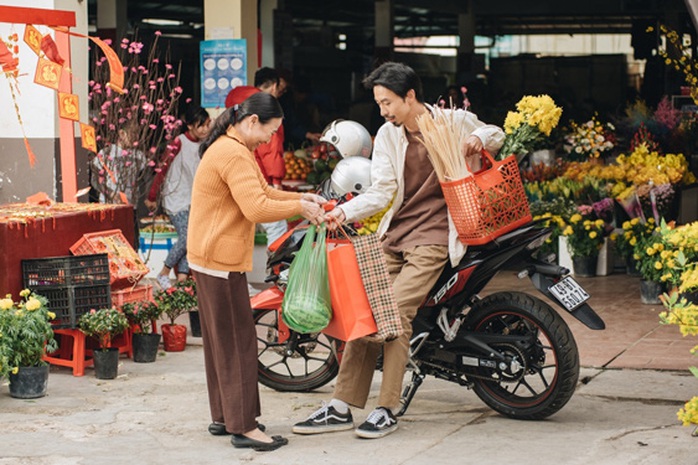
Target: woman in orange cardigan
{"points": [[229, 196]]}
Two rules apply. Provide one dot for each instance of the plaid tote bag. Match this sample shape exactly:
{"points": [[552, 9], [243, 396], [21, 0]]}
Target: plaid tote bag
{"points": [[379, 288]]}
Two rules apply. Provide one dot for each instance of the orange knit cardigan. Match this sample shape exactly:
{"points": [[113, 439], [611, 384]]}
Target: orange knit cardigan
{"points": [[229, 196]]}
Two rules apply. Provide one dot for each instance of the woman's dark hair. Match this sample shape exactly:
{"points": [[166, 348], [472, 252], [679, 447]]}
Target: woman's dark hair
{"points": [[195, 115], [396, 77], [264, 105]]}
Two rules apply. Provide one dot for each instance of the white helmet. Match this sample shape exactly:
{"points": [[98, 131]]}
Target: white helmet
{"points": [[348, 137], [351, 174]]}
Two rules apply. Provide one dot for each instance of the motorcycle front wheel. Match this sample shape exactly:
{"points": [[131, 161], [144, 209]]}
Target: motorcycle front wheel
{"points": [[545, 371], [301, 363]]}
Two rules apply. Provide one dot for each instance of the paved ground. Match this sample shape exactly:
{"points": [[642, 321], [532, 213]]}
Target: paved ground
{"points": [[156, 413]]}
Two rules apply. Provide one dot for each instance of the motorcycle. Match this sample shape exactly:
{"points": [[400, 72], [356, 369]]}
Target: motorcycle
{"points": [[512, 348]]}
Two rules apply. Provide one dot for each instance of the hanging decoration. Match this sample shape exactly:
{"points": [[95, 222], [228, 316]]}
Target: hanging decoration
{"points": [[87, 135], [9, 60], [32, 37], [48, 73], [116, 76], [50, 49], [68, 106]]}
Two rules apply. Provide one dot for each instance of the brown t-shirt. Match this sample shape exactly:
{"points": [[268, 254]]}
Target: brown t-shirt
{"points": [[422, 218]]}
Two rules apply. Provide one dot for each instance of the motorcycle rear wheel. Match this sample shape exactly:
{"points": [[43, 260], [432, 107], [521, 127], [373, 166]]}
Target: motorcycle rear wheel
{"points": [[550, 366], [302, 363]]}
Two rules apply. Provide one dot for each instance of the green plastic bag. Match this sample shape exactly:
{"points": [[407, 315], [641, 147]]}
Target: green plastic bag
{"points": [[306, 307]]}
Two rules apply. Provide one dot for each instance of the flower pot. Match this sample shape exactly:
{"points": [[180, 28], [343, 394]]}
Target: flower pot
{"points": [[585, 266], [631, 267], [650, 292], [174, 337], [29, 382], [145, 347], [194, 323], [106, 363]]}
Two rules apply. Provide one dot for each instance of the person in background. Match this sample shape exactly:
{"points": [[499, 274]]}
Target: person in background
{"points": [[416, 237], [229, 196], [301, 118], [173, 183], [116, 169], [270, 155]]}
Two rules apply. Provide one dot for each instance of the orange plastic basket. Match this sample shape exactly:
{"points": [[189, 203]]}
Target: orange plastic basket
{"points": [[125, 266], [489, 203], [139, 293]]}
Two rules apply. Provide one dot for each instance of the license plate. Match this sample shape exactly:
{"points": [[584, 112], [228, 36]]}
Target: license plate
{"points": [[569, 293]]}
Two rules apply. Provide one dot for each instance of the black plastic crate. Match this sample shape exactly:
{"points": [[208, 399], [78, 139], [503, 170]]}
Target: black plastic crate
{"points": [[65, 271], [71, 302]]}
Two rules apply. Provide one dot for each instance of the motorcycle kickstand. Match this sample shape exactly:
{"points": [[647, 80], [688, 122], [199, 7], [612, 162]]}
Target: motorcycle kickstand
{"points": [[409, 392]]}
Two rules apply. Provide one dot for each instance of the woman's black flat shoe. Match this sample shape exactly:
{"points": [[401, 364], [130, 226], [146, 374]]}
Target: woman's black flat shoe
{"points": [[243, 442], [218, 429]]}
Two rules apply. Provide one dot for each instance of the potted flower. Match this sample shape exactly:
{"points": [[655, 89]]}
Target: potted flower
{"points": [[25, 336], [145, 341], [103, 325], [585, 236], [680, 261], [684, 314], [175, 301], [589, 140], [634, 230], [650, 253]]}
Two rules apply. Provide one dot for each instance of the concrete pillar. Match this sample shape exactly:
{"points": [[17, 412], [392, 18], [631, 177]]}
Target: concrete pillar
{"points": [[38, 107], [112, 19], [385, 31], [234, 19], [466, 48]]}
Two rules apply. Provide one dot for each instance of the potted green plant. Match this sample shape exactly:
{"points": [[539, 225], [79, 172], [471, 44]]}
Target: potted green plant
{"points": [[145, 341], [585, 236], [174, 302], [25, 336], [103, 325]]}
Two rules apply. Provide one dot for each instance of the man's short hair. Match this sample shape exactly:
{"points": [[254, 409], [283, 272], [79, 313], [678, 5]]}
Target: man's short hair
{"points": [[397, 77], [265, 77]]}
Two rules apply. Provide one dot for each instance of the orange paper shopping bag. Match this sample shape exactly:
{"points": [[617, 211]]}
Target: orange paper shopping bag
{"points": [[352, 317]]}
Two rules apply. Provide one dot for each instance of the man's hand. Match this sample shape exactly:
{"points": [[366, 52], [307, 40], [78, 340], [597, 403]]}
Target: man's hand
{"points": [[335, 218], [313, 136], [472, 148], [150, 204]]}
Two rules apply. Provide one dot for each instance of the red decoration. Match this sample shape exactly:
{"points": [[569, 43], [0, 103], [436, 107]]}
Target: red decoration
{"points": [[48, 73], [32, 37], [68, 106], [50, 49]]}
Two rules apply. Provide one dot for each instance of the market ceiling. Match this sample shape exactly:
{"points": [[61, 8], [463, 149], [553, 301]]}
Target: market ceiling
{"points": [[414, 18]]}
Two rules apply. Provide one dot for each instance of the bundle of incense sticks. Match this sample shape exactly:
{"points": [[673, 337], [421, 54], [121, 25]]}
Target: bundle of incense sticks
{"points": [[443, 135]]}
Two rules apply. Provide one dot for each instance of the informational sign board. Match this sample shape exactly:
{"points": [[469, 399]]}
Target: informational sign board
{"points": [[223, 67]]}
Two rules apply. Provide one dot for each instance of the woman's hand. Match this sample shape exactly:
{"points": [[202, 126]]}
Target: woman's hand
{"points": [[314, 198], [312, 211], [472, 147]]}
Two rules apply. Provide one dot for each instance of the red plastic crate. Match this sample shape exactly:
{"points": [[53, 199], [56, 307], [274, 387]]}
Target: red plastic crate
{"points": [[139, 293], [125, 266]]}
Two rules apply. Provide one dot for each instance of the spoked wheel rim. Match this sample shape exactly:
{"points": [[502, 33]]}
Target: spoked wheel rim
{"points": [[536, 378], [302, 362]]}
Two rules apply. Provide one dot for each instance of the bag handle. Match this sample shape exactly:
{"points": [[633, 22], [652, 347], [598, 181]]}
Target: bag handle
{"points": [[488, 163]]}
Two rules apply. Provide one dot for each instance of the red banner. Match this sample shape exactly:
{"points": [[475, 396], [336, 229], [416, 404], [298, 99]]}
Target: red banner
{"points": [[116, 76]]}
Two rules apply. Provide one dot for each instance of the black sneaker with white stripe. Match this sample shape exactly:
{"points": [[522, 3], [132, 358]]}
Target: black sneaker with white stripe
{"points": [[379, 423], [325, 420]]}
